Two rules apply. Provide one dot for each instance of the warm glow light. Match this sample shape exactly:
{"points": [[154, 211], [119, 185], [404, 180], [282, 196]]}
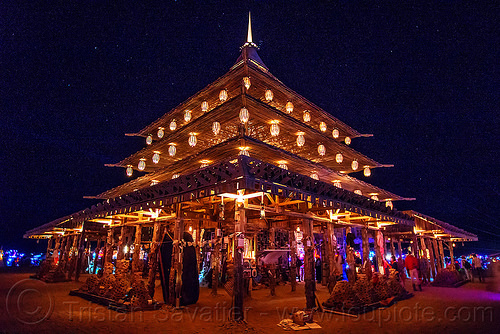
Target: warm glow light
{"points": [[192, 139], [161, 132], [289, 107], [172, 150], [306, 116], [142, 164], [275, 128], [269, 95], [389, 204], [358, 192], [246, 82], [129, 170], [173, 125], [205, 163], [244, 151], [301, 140], [354, 165], [175, 176], [321, 149], [366, 171], [149, 139], [347, 140], [339, 158], [374, 197], [190, 229], [335, 133], [204, 106], [154, 182], [244, 115], [298, 228], [322, 126], [314, 175], [283, 164], [223, 95], [187, 115], [156, 157], [216, 128], [337, 183]]}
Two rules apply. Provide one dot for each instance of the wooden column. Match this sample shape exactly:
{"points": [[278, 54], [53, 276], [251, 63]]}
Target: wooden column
{"points": [[331, 248], [393, 249], [81, 251], [121, 244], [400, 248], [153, 258], [238, 287], [293, 255], [310, 282], [67, 248], [441, 253], [424, 256], [272, 266], [436, 255], [108, 252], [176, 271], [216, 263], [414, 246], [49, 243], [450, 247], [349, 257], [136, 267], [377, 237], [432, 258], [365, 246]]}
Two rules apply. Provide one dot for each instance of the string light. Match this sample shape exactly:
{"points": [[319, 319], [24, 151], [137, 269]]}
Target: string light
{"points": [[358, 192], [339, 158], [161, 132], [129, 170], [306, 116], [282, 164], [301, 140], [335, 133], [204, 163], [354, 165], [216, 128], [366, 171], [156, 157], [142, 164], [322, 126], [289, 107], [269, 95], [204, 106], [244, 115], [172, 150], [389, 204], [244, 151], [337, 183], [187, 115], [347, 140], [154, 182], [314, 175], [275, 128], [173, 125], [246, 82], [321, 149], [174, 176], [223, 95], [192, 139], [149, 139]]}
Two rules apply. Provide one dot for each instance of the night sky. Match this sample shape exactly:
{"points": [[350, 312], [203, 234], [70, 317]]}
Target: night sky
{"points": [[77, 75]]}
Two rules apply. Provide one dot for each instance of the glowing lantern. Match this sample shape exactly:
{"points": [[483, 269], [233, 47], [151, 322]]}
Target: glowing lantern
{"points": [[187, 115], [275, 128], [358, 192], [367, 172], [322, 126], [161, 132], [246, 82], [374, 197], [335, 133], [301, 140], [192, 139], [175, 176], [154, 182], [321, 149], [172, 150], [389, 204], [289, 107], [142, 164], [354, 164], [282, 164], [306, 116], [337, 183], [156, 157], [205, 163], [216, 128], [129, 170], [347, 140], [244, 115], [314, 175], [149, 139], [223, 95], [244, 151], [269, 95], [173, 125], [339, 158], [204, 106]]}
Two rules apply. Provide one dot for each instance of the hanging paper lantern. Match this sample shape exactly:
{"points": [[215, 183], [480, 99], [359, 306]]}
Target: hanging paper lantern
{"points": [[283, 165], [129, 170], [192, 139], [314, 175], [289, 107], [142, 164], [358, 192], [269, 95], [374, 197], [149, 139], [389, 204], [339, 158], [161, 132], [354, 164], [216, 128], [306, 116], [275, 129], [244, 151], [321, 149], [347, 140], [173, 125], [337, 183], [154, 182], [175, 176], [187, 115], [172, 150], [301, 140], [156, 157], [223, 95], [204, 106], [244, 115], [246, 82], [335, 133], [322, 126], [367, 172]]}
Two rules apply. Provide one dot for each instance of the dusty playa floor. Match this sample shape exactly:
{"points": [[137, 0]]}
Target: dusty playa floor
{"points": [[30, 306]]}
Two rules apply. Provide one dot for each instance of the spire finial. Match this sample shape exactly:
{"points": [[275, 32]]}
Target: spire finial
{"points": [[249, 36]]}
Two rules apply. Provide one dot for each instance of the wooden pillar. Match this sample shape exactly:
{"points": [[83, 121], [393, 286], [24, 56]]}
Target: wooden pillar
{"points": [[81, 251], [238, 287], [450, 247], [393, 250], [414, 246], [377, 237], [293, 255], [424, 256], [432, 258], [49, 243], [216, 262], [365, 246], [331, 248], [349, 257], [108, 252], [272, 266], [310, 282], [67, 248], [441, 253], [400, 248], [121, 244], [153, 258], [435, 247], [136, 267]]}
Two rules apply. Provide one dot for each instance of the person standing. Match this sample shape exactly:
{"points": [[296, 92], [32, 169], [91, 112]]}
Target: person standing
{"points": [[477, 266], [401, 270], [411, 264], [466, 266]]}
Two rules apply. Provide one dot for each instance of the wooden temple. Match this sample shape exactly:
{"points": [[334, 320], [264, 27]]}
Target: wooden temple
{"points": [[248, 167]]}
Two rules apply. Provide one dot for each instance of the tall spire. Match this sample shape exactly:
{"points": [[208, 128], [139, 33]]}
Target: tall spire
{"points": [[249, 36]]}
